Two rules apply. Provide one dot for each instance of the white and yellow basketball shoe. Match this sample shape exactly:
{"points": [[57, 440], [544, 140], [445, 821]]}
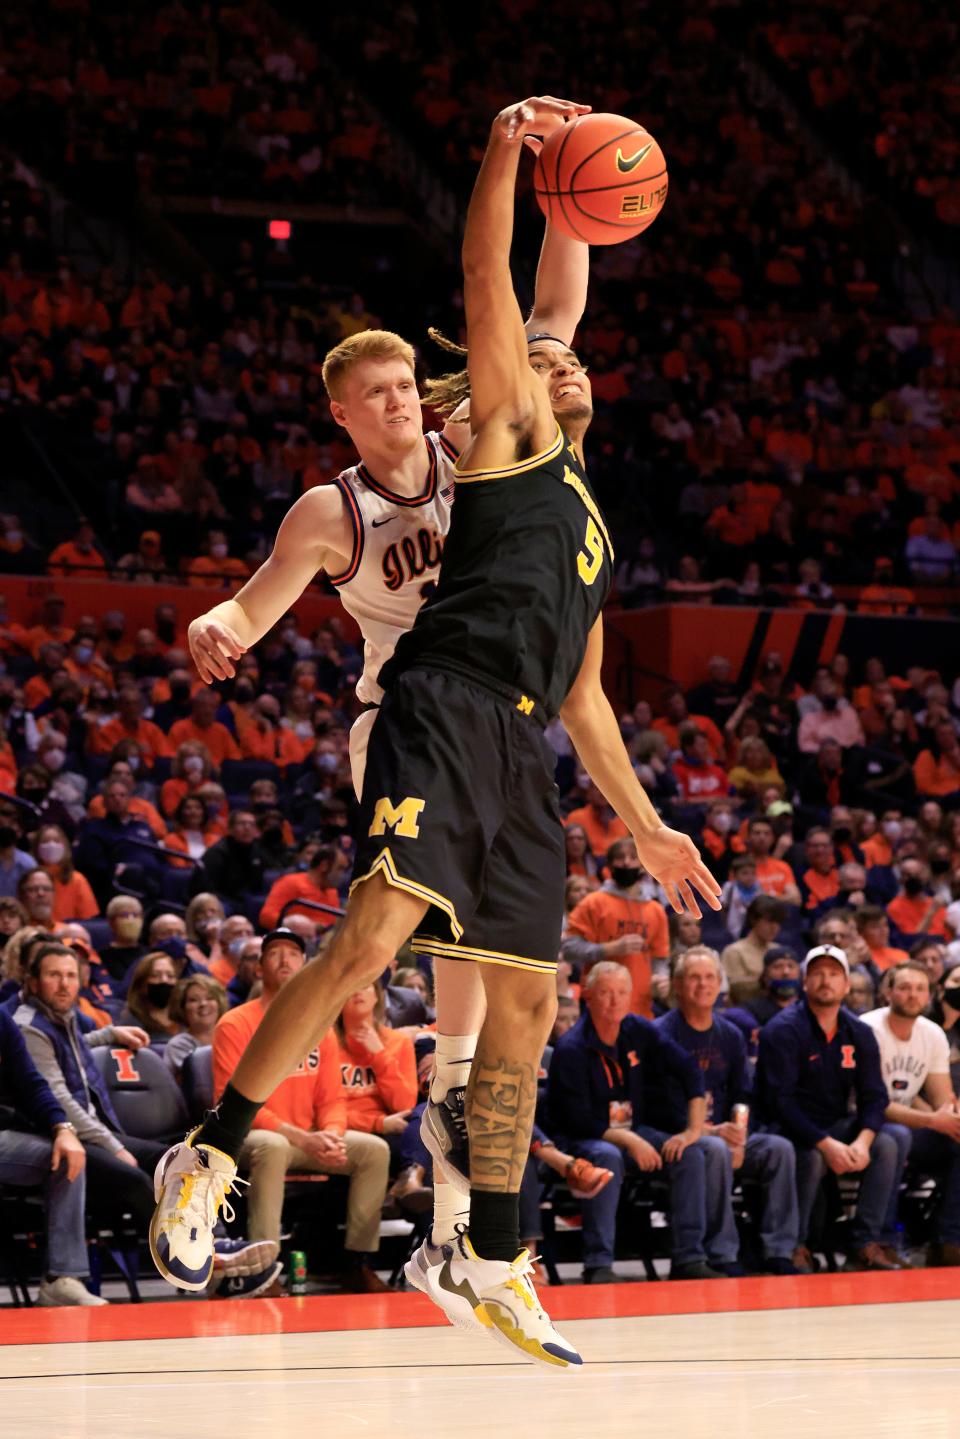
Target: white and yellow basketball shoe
{"points": [[499, 1296], [191, 1186]]}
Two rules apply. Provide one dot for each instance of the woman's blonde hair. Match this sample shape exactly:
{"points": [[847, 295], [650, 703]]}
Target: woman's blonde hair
{"points": [[213, 988], [367, 345], [446, 392], [379, 1009], [12, 965]]}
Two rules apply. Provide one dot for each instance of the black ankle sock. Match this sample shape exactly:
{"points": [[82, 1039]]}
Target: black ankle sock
{"points": [[226, 1127], [495, 1224]]}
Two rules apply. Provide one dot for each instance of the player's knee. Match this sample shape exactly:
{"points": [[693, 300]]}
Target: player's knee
{"points": [[357, 961]]}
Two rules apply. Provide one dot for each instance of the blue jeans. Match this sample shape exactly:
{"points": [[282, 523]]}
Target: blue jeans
{"points": [[878, 1182], [770, 1162], [935, 1155], [702, 1224], [25, 1162]]}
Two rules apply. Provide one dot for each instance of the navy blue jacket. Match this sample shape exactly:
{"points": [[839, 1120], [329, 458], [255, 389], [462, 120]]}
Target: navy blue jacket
{"points": [[586, 1074], [22, 1087], [805, 1083], [720, 1054], [74, 1057]]}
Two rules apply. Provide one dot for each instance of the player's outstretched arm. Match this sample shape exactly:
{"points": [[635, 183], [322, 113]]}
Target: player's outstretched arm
{"points": [[314, 534], [563, 275], [671, 857], [503, 390]]}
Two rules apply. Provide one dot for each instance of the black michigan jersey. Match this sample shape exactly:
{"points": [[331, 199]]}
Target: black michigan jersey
{"points": [[526, 569]]}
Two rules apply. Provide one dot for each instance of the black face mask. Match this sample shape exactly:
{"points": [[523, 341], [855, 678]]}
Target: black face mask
{"points": [[179, 692], [243, 694], [829, 702], [913, 885], [843, 835], [8, 836], [167, 631], [939, 866], [952, 997], [624, 875], [159, 994]]}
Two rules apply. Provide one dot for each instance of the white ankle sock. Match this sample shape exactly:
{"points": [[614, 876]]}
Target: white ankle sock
{"points": [[454, 1055], [449, 1209]]}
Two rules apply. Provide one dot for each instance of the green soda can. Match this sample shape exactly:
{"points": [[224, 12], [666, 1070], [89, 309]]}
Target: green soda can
{"points": [[298, 1272]]}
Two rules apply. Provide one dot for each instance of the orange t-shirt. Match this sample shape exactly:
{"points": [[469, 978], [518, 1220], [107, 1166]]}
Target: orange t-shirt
{"points": [[149, 737], [887, 956], [774, 876], [908, 915], [821, 886], [600, 833], [701, 722], [297, 886], [217, 738], [276, 746], [311, 1097], [935, 776], [73, 898], [67, 558], [375, 1085], [603, 916], [215, 574], [876, 851]]}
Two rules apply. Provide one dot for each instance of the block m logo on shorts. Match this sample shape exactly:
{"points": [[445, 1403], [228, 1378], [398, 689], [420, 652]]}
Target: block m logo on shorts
{"points": [[402, 818]]}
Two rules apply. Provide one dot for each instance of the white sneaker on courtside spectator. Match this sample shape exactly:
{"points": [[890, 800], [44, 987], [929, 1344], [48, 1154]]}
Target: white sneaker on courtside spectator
{"points": [[67, 1289], [191, 1185], [500, 1296]]}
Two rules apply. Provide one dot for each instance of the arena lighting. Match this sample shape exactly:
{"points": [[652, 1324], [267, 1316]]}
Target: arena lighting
{"points": [[279, 229]]}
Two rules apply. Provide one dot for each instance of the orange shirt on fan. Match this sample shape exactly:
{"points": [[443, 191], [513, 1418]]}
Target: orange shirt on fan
{"points": [[909, 913], [600, 833], [375, 1085], [217, 738], [72, 898], [311, 1097], [276, 746], [149, 737], [297, 886], [775, 876], [603, 916]]}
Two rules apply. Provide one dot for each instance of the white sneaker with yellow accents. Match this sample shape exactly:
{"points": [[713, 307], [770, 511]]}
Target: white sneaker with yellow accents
{"points": [[191, 1185], [501, 1297]]}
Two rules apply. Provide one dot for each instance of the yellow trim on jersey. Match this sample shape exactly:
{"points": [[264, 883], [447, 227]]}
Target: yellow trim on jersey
{"points": [[550, 453], [438, 949], [383, 864], [574, 481]]}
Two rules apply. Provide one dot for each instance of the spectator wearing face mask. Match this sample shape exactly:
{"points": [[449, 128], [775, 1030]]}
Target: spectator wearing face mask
{"points": [[217, 568], [878, 848], [739, 892], [191, 768], [203, 728], [318, 882], [616, 923], [914, 910], [167, 711], [719, 842], [152, 984], [779, 987], [227, 947], [834, 718], [205, 914], [72, 896], [234, 866]]}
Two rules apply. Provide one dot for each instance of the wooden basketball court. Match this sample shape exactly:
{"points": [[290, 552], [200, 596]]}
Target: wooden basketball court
{"points": [[855, 1355]]}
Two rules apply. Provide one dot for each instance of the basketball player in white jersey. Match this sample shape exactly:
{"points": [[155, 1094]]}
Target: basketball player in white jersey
{"points": [[377, 532]]}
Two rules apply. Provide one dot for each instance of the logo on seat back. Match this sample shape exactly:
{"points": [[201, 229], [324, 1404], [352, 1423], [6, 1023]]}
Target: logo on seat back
{"points": [[402, 818], [126, 1069]]}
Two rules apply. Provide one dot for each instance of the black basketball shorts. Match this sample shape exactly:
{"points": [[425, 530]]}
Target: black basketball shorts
{"points": [[459, 807]]}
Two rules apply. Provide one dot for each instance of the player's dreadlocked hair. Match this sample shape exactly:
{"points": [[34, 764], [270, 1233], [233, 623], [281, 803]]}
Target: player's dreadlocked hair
{"points": [[446, 392]]}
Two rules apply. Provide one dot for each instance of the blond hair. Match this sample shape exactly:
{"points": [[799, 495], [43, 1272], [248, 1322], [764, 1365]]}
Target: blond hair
{"points": [[446, 392], [367, 345]]}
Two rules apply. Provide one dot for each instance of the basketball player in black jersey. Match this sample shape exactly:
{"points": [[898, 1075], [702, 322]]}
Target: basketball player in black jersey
{"points": [[459, 817]]}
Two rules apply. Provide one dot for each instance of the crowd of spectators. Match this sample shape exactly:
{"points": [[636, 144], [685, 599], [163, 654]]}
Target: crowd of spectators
{"points": [[170, 854]]}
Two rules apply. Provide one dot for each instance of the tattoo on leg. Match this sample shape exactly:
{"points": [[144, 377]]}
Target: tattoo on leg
{"points": [[500, 1103]]}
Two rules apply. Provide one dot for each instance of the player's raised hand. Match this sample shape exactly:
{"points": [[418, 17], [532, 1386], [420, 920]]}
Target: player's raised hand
{"points": [[539, 115], [674, 861], [214, 647]]}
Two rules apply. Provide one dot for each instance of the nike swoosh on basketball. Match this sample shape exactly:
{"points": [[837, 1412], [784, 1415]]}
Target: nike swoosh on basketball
{"points": [[377, 523], [625, 165]]}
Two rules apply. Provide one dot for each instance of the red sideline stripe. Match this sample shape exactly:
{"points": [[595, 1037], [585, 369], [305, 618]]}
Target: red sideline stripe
{"points": [[204, 1319]]}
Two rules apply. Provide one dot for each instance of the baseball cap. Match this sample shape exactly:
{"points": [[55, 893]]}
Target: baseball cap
{"points": [[778, 951], [282, 933], [825, 951]]}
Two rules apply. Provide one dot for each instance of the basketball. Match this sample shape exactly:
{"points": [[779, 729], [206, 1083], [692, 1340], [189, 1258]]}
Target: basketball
{"points": [[601, 178]]}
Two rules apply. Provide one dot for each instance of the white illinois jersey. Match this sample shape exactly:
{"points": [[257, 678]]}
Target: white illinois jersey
{"points": [[397, 547]]}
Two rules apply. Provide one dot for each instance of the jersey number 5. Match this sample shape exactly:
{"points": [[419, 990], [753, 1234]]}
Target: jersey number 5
{"points": [[590, 558]]}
